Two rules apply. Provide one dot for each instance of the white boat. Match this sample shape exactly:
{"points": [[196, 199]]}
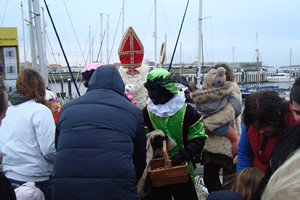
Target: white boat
{"points": [[280, 77]]}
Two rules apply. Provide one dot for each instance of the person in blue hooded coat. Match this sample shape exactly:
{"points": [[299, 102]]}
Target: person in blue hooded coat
{"points": [[101, 143]]}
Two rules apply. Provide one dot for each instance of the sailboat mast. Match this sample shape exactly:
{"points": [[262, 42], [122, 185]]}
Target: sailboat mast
{"points": [[39, 39], [90, 56], [101, 37], [44, 37], [199, 44], [257, 66], [155, 34], [290, 64], [180, 62], [31, 33], [107, 39], [25, 60], [123, 17]]}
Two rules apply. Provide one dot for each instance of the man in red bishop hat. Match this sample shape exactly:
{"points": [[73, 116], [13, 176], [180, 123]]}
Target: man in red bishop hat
{"points": [[131, 53]]}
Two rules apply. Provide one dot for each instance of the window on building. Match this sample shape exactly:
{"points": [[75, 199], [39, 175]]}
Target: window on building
{"points": [[10, 53]]}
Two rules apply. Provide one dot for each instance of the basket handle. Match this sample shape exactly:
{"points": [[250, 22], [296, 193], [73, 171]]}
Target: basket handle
{"points": [[166, 155]]}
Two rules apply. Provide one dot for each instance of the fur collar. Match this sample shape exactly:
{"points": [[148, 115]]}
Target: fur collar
{"points": [[202, 96]]}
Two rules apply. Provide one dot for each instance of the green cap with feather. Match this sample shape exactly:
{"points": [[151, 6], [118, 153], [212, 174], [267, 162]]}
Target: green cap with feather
{"points": [[160, 73]]}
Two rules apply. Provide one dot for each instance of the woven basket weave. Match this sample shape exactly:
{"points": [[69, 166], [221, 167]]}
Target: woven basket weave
{"points": [[162, 173]]}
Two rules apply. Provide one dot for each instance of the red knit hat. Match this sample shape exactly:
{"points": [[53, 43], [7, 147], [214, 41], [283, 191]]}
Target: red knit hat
{"points": [[131, 50]]}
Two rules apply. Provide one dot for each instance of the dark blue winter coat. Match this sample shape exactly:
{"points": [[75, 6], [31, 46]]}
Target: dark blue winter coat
{"points": [[101, 143]]}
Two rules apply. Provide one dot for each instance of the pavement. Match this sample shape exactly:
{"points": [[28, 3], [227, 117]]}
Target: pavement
{"points": [[198, 170]]}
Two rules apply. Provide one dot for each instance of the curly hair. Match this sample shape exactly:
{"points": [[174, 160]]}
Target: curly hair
{"points": [[265, 106], [87, 76], [31, 84]]}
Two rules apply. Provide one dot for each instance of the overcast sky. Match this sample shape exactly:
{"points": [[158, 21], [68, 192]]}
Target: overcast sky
{"points": [[232, 29]]}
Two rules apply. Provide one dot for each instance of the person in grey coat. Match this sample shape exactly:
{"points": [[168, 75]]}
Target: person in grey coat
{"points": [[101, 143]]}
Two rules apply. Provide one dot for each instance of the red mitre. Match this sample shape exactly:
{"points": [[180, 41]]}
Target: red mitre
{"points": [[131, 50]]}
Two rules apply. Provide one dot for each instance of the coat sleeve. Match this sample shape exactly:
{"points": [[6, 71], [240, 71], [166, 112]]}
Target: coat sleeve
{"points": [[245, 152], [194, 136], [235, 100], [44, 127], [139, 155], [193, 126]]}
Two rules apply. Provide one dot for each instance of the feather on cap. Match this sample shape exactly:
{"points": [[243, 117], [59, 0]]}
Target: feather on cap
{"points": [[160, 76]]}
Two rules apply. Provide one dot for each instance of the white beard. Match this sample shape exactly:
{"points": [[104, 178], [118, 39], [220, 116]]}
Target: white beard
{"points": [[140, 93]]}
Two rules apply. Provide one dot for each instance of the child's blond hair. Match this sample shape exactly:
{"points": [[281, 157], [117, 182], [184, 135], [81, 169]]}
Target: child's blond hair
{"points": [[247, 182]]}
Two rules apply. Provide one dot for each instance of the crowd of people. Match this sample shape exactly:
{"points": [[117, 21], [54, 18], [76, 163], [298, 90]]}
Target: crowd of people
{"points": [[100, 145]]}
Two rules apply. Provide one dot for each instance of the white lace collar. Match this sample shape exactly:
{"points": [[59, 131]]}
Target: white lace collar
{"points": [[168, 109]]}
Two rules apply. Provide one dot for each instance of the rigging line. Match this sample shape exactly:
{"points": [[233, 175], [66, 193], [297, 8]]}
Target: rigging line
{"points": [[5, 8], [230, 33], [47, 59], [101, 44], [178, 35], [54, 58], [148, 22], [87, 56], [112, 46], [62, 48], [211, 40], [94, 36], [74, 30], [226, 23], [52, 54], [167, 22], [97, 26], [64, 28]]}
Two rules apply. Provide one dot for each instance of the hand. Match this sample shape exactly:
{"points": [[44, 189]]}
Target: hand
{"points": [[158, 141], [235, 160], [176, 159], [206, 130]]}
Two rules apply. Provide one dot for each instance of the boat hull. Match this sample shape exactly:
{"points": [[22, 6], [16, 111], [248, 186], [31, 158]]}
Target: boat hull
{"points": [[275, 80]]}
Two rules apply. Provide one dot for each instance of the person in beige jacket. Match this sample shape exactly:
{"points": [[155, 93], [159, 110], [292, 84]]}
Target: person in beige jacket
{"points": [[217, 151]]}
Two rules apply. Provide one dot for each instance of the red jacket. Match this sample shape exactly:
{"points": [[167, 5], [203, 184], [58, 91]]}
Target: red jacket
{"points": [[262, 159]]}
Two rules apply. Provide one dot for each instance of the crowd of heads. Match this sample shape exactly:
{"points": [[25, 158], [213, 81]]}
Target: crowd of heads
{"points": [[265, 110]]}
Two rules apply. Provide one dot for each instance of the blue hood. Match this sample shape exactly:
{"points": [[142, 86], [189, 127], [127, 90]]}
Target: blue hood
{"points": [[107, 77]]}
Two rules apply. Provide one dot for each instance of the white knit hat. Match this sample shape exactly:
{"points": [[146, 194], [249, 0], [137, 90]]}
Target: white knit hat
{"points": [[28, 191]]}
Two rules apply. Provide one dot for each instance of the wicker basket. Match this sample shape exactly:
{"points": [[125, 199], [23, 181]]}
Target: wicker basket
{"points": [[162, 173]]}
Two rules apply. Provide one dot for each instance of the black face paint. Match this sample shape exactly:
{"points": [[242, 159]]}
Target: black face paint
{"points": [[158, 94]]}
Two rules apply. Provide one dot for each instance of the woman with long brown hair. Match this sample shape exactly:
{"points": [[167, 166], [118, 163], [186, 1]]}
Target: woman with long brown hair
{"points": [[28, 143]]}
